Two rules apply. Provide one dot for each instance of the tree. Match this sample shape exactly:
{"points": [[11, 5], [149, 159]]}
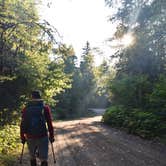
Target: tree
{"points": [[25, 46], [146, 58], [65, 103], [138, 89], [87, 86], [74, 101], [103, 75], [148, 27]]}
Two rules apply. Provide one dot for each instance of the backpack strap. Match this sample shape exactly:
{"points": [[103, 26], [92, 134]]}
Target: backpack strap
{"points": [[44, 113]]}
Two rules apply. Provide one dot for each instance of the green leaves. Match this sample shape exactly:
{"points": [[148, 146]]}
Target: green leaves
{"points": [[9, 139], [139, 83], [25, 47], [130, 91], [135, 121]]}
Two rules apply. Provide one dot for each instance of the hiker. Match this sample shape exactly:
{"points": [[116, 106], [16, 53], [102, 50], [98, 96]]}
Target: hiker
{"points": [[33, 128]]}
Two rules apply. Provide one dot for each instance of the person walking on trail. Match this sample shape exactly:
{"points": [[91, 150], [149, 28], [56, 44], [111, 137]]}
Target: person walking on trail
{"points": [[33, 128]]}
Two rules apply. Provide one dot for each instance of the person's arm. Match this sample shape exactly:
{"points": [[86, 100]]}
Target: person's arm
{"points": [[22, 127], [49, 122]]}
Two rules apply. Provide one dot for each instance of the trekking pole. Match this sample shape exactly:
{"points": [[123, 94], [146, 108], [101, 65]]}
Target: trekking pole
{"points": [[22, 153], [53, 152]]}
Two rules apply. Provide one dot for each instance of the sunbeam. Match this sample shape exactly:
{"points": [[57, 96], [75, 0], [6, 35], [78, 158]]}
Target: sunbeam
{"points": [[127, 40]]}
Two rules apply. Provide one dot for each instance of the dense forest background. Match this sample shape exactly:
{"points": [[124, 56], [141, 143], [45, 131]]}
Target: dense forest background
{"points": [[133, 89], [139, 86]]}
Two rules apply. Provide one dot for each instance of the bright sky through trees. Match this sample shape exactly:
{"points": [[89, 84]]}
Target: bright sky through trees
{"points": [[128, 40], [79, 21]]}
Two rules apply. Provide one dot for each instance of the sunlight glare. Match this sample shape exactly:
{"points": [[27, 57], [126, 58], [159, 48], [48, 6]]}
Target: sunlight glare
{"points": [[127, 40]]}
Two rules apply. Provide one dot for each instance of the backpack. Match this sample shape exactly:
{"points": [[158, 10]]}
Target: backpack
{"points": [[35, 122]]}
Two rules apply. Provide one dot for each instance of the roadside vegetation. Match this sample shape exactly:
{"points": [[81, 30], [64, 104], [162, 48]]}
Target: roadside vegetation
{"points": [[133, 88], [26, 43], [10, 146], [138, 90]]}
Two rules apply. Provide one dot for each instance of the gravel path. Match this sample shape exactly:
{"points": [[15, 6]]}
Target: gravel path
{"points": [[87, 142]]}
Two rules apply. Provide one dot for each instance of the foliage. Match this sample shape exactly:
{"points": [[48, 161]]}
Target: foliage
{"points": [[159, 91], [74, 101], [88, 85], [64, 99], [135, 121], [104, 74], [25, 64], [131, 91], [9, 144], [114, 116], [158, 96], [9, 139], [147, 55], [139, 83]]}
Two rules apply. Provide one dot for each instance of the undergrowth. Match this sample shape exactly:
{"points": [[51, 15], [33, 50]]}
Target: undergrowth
{"points": [[146, 124], [10, 145]]}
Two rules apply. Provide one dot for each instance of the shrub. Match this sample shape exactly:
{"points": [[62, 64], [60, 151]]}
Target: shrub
{"points": [[9, 139], [144, 124], [114, 116]]}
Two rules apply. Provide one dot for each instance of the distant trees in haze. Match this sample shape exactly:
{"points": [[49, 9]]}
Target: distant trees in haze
{"points": [[86, 86]]}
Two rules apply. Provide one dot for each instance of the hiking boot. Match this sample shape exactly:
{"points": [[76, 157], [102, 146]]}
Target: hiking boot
{"points": [[33, 162], [44, 163]]}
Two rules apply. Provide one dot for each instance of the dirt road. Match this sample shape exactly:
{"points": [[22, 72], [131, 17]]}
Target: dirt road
{"points": [[87, 142]]}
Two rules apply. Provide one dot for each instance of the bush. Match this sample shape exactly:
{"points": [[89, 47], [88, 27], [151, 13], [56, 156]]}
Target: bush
{"points": [[9, 139], [9, 144], [144, 124], [114, 116]]}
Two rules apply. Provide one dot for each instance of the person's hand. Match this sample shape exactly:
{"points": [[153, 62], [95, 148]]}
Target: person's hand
{"points": [[51, 139]]}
